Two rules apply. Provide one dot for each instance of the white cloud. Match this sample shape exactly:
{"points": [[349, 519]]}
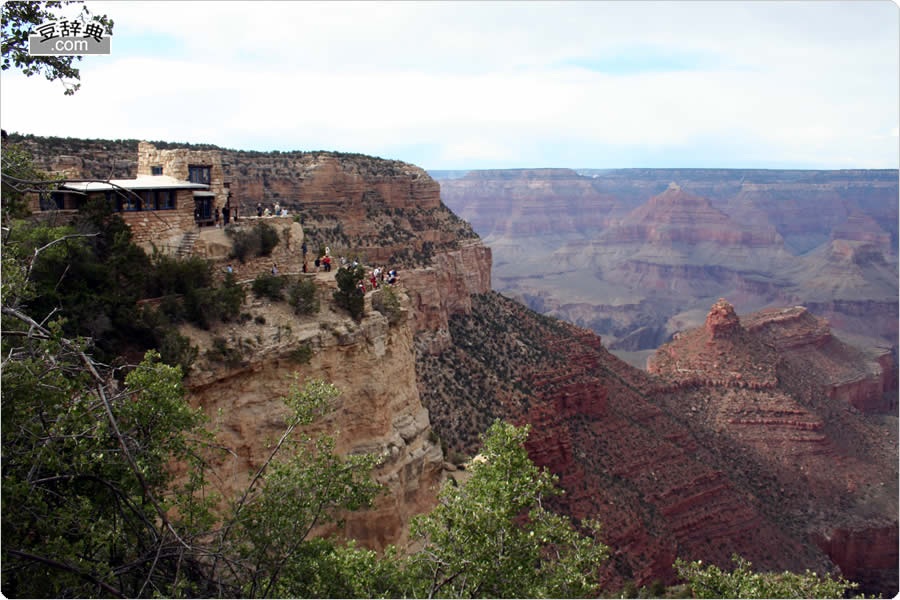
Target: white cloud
{"points": [[784, 82]]}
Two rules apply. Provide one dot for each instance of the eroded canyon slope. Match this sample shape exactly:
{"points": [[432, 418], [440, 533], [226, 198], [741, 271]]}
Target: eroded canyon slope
{"points": [[764, 436], [637, 254], [749, 439]]}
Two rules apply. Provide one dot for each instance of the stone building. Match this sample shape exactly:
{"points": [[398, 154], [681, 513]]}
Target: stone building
{"points": [[196, 166], [160, 210], [175, 192]]}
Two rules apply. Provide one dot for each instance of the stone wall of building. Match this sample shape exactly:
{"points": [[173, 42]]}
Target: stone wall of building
{"points": [[175, 163], [165, 228]]}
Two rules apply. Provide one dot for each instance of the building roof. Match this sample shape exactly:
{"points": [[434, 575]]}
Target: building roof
{"points": [[144, 182]]}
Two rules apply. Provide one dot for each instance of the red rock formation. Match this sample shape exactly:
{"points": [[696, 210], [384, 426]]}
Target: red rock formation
{"points": [[730, 449], [446, 288], [722, 321], [864, 380], [867, 556], [819, 456]]}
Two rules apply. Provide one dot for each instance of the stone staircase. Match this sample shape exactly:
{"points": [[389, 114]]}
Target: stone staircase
{"points": [[186, 248]]}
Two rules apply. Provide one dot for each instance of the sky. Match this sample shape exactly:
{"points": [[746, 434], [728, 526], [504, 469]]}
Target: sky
{"points": [[476, 85]]}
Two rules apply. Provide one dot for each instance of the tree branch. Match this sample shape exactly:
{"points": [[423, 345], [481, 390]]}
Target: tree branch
{"points": [[64, 567]]}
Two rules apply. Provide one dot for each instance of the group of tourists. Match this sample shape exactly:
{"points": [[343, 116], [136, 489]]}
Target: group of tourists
{"points": [[275, 211], [377, 275]]}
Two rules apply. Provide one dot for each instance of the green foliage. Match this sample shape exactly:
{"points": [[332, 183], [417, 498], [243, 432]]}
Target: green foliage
{"points": [[268, 286], [493, 537], [657, 589], [172, 275], [709, 581], [385, 301], [190, 294], [302, 353], [92, 507], [259, 241], [19, 19], [17, 165], [302, 296], [79, 510], [347, 295], [90, 273], [630, 590], [222, 352], [176, 349]]}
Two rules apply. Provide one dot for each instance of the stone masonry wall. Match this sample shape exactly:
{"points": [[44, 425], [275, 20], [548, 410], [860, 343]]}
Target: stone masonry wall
{"points": [[164, 228], [175, 164]]}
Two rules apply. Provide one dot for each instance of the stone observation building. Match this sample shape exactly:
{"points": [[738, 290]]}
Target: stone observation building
{"points": [[174, 193]]}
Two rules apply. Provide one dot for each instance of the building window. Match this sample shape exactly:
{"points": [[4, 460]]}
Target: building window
{"points": [[165, 199], [198, 174], [123, 200], [156, 170]]}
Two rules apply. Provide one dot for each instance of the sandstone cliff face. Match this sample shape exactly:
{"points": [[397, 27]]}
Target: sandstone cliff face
{"points": [[379, 411], [444, 289]]}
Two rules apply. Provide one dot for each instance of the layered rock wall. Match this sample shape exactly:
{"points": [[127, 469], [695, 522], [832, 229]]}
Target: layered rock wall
{"points": [[379, 411], [445, 289]]}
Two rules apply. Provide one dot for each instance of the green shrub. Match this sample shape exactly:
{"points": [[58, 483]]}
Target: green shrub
{"points": [[222, 352], [173, 308], [259, 241], [176, 350], [172, 275], [268, 238], [457, 458], [302, 354], [347, 295], [303, 297], [203, 308], [231, 297], [268, 286]]}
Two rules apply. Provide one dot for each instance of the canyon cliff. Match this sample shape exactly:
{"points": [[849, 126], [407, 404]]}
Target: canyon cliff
{"points": [[638, 254], [738, 442], [763, 435]]}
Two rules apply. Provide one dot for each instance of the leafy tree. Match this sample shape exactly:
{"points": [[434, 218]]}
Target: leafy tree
{"points": [[493, 537], [259, 241], [18, 170], [709, 581], [348, 294], [91, 503], [303, 297], [268, 286], [18, 20]]}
